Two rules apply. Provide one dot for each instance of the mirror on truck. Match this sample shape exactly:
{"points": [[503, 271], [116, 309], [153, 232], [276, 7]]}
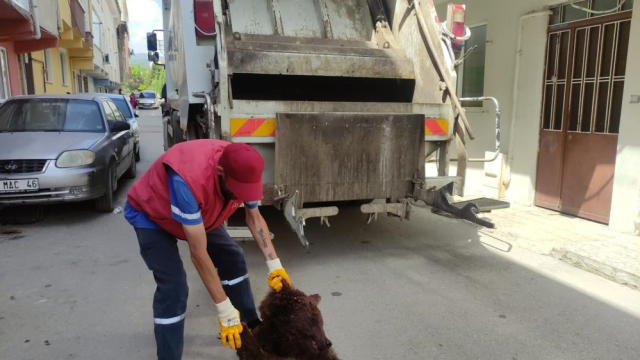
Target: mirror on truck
{"points": [[152, 42], [154, 57]]}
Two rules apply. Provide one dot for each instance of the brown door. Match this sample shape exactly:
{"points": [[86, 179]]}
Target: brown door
{"points": [[584, 81]]}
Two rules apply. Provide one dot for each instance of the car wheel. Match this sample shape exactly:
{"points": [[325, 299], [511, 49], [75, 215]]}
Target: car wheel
{"points": [[131, 171], [105, 202], [138, 153]]}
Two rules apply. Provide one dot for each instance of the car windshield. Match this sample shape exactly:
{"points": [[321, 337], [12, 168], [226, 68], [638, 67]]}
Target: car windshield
{"points": [[147, 95], [123, 106], [56, 115]]}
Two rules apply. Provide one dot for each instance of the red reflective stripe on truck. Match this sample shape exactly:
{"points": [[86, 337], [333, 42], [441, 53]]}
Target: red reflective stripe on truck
{"points": [[243, 127], [249, 127], [436, 126]]}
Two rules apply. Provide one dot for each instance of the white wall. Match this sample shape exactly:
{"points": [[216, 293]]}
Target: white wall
{"points": [[92, 87], [108, 37], [502, 19], [625, 208], [111, 37], [524, 131]]}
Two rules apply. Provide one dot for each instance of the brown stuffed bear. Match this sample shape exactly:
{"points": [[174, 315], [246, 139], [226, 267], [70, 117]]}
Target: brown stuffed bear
{"points": [[291, 329]]}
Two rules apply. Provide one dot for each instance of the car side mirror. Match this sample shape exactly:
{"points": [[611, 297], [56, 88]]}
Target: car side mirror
{"points": [[136, 114], [120, 126]]}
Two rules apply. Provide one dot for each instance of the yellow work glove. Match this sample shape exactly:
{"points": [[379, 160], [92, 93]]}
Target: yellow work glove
{"points": [[277, 275], [230, 326]]}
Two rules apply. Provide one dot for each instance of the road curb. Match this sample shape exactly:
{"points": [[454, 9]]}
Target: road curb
{"points": [[610, 272]]}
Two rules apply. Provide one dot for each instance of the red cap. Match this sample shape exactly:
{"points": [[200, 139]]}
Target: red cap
{"points": [[243, 166]]}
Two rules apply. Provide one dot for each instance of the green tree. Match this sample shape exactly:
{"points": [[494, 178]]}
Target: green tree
{"points": [[157, 78], [147, 79]]}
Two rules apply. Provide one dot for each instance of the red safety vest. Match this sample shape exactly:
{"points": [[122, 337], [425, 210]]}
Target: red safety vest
{"points": [[195, 161]]}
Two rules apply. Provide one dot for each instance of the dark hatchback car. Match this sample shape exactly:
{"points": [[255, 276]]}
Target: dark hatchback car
{"points": [[122, 102], [63, 148]]}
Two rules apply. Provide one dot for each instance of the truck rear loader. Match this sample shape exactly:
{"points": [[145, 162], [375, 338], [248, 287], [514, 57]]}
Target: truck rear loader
{"points": [[344, 99]]}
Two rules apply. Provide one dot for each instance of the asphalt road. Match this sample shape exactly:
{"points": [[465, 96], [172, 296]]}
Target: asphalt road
{"points": [[74, 287]]}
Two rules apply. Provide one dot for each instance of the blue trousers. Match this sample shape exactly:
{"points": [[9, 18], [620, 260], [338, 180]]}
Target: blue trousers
{"points": [[159, 250]]}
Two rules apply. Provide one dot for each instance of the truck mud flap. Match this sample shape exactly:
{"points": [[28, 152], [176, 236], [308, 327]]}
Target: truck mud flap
{"points": [[327, 157]]}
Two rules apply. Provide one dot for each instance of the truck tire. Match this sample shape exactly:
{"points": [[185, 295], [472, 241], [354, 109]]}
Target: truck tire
{"points": [[166, 137], [178, 135], [105, 202]]}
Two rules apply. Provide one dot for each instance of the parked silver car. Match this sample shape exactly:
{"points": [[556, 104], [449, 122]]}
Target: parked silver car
{"points": [[123, 103], [148, 100], [63, 148]]}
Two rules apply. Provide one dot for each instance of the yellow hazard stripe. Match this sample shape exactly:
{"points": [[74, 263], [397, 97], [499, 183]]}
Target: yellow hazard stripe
{"points": [[261, 127], [266, 127], [436, 126]]}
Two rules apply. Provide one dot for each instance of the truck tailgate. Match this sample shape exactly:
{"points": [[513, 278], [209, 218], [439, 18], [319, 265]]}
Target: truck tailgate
{"points": [[349, 156]]}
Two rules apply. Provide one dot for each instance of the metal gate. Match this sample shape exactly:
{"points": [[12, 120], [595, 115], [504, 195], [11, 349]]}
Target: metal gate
{"points": [[584, 81]]}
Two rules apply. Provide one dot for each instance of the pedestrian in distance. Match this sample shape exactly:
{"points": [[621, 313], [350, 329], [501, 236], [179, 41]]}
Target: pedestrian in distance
{"points": [[132, 100], [187, 194]]}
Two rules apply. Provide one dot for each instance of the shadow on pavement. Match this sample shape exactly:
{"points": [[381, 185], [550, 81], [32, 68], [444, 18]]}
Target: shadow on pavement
{"points": [[436, 288]]}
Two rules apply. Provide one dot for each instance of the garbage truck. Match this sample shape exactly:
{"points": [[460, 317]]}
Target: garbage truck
{"points": [[345, 100]]}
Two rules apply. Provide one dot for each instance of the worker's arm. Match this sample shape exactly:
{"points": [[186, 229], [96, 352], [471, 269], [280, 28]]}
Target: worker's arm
{"points": [[197, 239], [260, 231], [228, 316], [262, 236]]}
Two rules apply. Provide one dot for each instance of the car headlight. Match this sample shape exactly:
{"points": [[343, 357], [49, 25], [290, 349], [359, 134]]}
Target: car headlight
{"points": [[75, 158]]}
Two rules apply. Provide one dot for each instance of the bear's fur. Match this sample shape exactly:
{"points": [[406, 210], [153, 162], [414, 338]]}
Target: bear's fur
{"points": [[291, 329]]}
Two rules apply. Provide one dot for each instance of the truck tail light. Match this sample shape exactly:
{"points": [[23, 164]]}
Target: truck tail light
{"points": [[204, 18], [455, 25]]}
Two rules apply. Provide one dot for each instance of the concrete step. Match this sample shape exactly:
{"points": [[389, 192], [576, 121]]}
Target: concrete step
{"points": [[617, 259]]}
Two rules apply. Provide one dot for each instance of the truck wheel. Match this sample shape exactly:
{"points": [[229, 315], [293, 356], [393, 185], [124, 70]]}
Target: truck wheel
{"points": [[178, 134], [105, 202]]}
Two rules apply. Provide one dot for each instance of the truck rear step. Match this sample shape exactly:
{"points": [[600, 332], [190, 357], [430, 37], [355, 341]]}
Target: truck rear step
{"points": [[484, 204]]}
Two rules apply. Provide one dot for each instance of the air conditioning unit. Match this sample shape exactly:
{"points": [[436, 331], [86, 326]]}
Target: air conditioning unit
{"points": [[106, 59]]}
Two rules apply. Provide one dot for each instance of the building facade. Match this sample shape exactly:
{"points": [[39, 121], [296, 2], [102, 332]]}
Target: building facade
{"points": [[60, 46], [105, 74], [568, 80], [23, 28], [124, 52], [56, 70]]}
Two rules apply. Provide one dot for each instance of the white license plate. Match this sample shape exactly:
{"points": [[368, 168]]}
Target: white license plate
{"points": [[15, 186]]}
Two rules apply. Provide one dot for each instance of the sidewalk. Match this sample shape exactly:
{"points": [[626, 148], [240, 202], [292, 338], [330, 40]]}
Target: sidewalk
{"points": [[581, 243]]}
